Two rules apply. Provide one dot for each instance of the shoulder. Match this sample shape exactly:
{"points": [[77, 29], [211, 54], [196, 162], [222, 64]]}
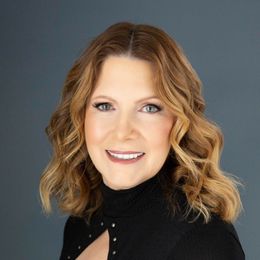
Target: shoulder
{"points": [[75, 228], [214, 240]]}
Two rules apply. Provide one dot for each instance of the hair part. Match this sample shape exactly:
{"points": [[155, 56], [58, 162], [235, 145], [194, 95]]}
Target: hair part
{"points": [[196, 142]]}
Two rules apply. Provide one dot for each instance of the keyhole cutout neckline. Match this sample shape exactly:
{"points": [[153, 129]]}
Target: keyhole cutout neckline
{"points": [[98, 249]]}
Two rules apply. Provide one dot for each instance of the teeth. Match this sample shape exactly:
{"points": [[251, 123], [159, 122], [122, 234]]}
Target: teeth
{"points": [[125, 156]]}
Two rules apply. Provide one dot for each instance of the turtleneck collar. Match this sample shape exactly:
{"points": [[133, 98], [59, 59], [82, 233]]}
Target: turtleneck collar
{"points": [[127, 202]]}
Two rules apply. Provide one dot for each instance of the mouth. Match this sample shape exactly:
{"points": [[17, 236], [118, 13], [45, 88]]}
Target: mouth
{"points": [[124, 157]]}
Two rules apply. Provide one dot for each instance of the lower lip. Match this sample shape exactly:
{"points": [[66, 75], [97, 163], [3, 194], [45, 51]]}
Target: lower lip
{"points": [[122, 161]]}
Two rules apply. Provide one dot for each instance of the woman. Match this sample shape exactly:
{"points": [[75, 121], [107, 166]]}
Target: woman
{"points": [[136, 162]]}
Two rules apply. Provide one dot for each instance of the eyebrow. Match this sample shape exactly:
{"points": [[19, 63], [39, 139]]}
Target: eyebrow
{"points": [[140, 100]]}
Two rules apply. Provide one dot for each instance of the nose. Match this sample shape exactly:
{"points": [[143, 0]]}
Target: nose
{"points": [[125, 127]]}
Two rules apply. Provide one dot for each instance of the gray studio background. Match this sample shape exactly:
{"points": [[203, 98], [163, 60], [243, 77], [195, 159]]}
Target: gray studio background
{"points": [[39, 42]]}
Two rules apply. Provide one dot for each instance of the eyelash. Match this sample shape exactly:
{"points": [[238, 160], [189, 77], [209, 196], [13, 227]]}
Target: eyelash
{"points": [[96, 105]]}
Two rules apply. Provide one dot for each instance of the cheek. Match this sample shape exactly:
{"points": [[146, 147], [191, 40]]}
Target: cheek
{"points": [[160, 133], [94, 130]]}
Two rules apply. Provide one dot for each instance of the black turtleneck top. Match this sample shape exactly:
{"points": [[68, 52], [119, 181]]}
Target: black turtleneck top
{"points": [[140, 227]]}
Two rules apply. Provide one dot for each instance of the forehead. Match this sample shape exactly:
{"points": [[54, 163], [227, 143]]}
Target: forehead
{"points": [[121, 73]]}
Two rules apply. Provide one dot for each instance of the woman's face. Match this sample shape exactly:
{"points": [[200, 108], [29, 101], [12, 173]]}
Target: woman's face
{"points": [[122, 117]]}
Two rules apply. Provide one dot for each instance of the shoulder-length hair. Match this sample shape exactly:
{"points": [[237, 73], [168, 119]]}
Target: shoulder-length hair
{"points": [[196, 142]]}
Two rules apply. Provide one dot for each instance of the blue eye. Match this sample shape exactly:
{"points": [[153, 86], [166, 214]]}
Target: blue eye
{"points": [[100, 105], [103, 107], [154, 109]]}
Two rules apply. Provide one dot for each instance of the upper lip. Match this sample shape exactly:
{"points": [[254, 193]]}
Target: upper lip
{"points": [[124, 152]]}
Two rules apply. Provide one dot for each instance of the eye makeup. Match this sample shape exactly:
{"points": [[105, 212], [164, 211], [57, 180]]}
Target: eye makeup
{"points": [[107, 104]]}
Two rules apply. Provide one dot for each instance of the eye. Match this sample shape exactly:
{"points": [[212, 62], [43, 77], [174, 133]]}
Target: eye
{"points": [[102, 106], [153, 108]]}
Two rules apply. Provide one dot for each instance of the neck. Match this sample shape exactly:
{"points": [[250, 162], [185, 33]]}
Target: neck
{"points": [[129, 201]]}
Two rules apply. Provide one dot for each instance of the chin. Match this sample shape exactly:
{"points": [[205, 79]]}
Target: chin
{"points": [[119, 184]]}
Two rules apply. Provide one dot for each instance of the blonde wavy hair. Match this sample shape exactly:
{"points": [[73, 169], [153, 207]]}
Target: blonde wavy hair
{"points": [[196, 142]]}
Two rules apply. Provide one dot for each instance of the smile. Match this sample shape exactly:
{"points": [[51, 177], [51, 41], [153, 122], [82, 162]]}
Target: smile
{"points": [[124, 158]]}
